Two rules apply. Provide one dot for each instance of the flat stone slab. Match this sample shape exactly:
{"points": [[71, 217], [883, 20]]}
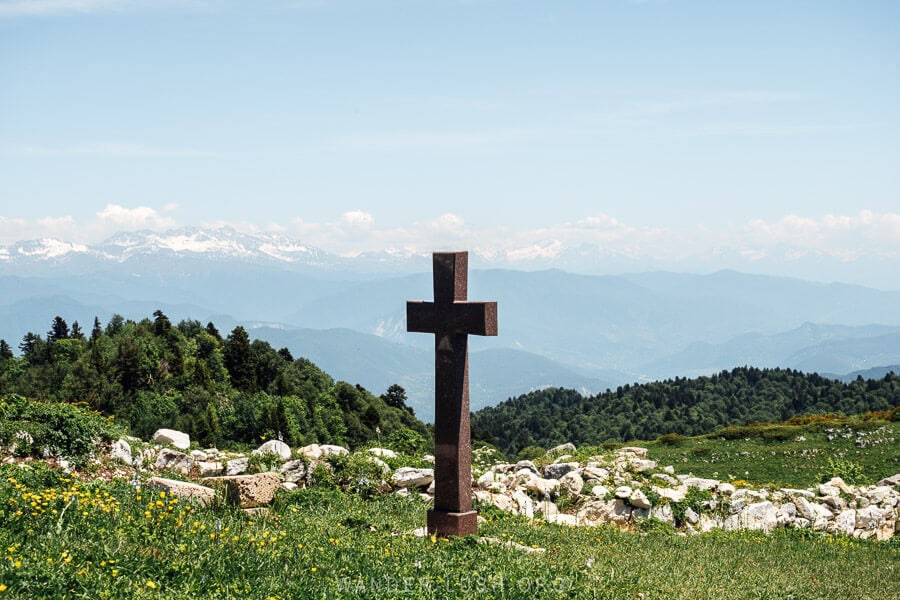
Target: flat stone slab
{"points": [[182, 490], [247, 491], [180, 440]]}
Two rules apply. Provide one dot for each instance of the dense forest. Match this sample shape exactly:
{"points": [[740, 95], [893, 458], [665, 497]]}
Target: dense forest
{"points": [[153, 374], [685, 406]]}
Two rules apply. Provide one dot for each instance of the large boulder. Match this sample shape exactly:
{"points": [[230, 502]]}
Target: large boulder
{"points": [[331, 450], [557, 470], [294, 470], [182, 490], [180, 440], [276, 447], [572, 483], [247, 491], [174, 460], [237, 466], [406, 477], [121, 451]]}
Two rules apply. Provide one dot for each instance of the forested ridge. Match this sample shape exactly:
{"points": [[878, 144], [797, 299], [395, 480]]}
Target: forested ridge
{"points": [[153, 374], [685, 406]]}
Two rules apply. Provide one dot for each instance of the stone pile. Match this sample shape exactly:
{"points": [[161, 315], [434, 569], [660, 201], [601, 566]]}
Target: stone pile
{"points": [[621, 488]]}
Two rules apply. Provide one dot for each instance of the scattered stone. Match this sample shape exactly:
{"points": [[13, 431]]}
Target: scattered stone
{"points": [[237, 466], [639, 452], [406, 477], [289, 486], [639, 500], [209, 469], [623, 492], [383, 452], [572, 483], [600, 491], [892, 481], [543, 487], [174, 461], [561, 449], [247, 491], [641, 465], [183, 490], [180, 440], [312, 452], [121, 451], [276, 447], [330, 450], [700, 483]]}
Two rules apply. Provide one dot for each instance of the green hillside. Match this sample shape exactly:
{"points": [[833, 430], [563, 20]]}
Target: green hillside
{"points": [[153, 374], [684, 406]]}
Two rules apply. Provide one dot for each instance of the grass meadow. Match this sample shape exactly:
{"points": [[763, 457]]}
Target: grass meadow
{"points": [[64, 538]]}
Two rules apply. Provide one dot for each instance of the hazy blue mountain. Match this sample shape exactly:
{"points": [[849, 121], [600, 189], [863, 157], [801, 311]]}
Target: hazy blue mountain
{"points": [[873, 373], [842, 356], [760, 350]]}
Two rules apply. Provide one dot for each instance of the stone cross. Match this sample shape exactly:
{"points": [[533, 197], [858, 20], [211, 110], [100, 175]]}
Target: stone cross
{"points": [[451, 319]]}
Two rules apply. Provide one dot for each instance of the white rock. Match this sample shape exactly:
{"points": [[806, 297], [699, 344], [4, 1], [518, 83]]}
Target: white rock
{"points": [[762, 516], [869, 518], [598, 473], [237, 466], [383, 452], [524, 504], [429, 458], [121, 451], [795, 493], [562, 449], [312, 452], [542, 487], [690, 516], [276, 447], [829, 490], [891, 481], [700, 483], [845, 522], [563, 519], [331, 450], [641, 465], [879, 493], [199, 455], [289, 486], [572, 483], [726, 488], [673, 495], [600, 491], [406, 477], [294, 470], [669, 470], [639, 452], [663, 513], [639, 500], [624, 492], [180, 440], [174, 461], [840, 484], [209, 469], [485, 480]]}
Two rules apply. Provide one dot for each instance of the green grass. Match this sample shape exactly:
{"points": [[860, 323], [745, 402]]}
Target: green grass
{"points": [[107, 540], [771, 454]]}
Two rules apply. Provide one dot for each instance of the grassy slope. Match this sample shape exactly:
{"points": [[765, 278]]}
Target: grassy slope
{"points": [[324, 544], [799, 460]]}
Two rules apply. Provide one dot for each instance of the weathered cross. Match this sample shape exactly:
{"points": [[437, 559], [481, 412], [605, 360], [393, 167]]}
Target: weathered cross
{"points": [[452, 319]]}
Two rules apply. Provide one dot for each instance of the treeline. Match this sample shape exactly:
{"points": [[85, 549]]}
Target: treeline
{"points": [[685, 406], [152, 374]]}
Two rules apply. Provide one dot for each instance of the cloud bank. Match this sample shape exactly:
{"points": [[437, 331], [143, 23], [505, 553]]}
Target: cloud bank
{"points": [[784, 245]]}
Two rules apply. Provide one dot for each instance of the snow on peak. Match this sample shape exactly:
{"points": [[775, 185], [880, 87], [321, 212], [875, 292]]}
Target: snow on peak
{"points": [[48, 248]]}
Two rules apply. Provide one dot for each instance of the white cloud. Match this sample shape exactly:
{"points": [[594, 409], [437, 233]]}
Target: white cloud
{"points": [[357, 219], [141, 217]]}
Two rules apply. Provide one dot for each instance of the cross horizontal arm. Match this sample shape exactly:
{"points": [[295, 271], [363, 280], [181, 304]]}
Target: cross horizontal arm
{"points": [[475, 318]]}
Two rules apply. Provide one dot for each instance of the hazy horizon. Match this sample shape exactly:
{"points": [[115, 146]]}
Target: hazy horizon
{"points": [[631, 135]]}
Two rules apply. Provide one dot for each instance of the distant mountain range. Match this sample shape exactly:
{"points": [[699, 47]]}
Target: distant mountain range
{"points": [[587, 332]]}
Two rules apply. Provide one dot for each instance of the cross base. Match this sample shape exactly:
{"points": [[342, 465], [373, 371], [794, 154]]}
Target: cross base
{"points": [[446, 524]]}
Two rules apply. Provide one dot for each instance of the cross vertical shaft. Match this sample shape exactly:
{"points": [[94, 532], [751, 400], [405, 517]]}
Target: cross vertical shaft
{"points": [[451, 318]]}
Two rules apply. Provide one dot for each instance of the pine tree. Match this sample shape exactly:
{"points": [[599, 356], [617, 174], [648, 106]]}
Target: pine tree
{"points": [[97, 331], [77, 334], [5, 350], [239, 360], [59, 330]]}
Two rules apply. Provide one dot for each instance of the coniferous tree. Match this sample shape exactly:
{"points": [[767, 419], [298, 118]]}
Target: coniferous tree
{"points": [[213, 331], [239, 360], [5, 350], [97, 331], [59, 330], [77, 334]]}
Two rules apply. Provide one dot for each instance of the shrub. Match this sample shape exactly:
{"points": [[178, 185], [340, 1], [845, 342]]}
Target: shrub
{"points": [[844, 468], [531, 453], [406, 441], [671, 439], [63, 429]]}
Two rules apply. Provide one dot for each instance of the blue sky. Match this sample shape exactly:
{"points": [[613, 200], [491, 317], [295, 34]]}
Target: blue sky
{"points": [[663, 128]]}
